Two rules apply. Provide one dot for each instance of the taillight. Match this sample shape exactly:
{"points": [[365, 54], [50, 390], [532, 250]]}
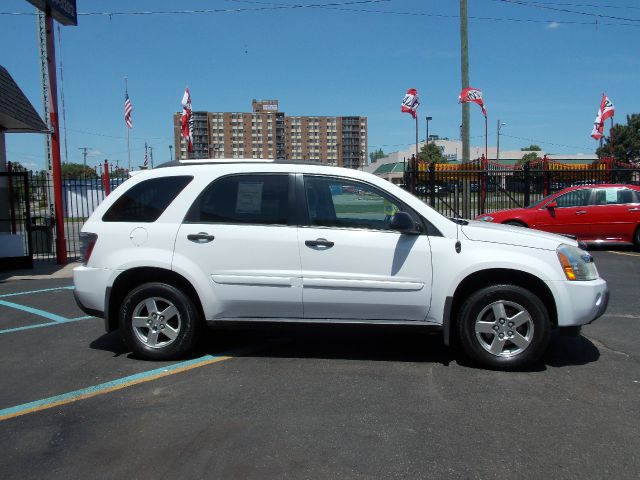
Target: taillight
{"points": [[87, 242]]}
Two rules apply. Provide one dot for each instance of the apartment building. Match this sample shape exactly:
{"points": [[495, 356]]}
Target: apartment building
{"points": [[268, 133]]}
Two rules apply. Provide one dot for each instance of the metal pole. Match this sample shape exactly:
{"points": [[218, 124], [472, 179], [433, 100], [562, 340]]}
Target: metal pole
{"points": [[611, 137], [464, 66], [498, 144], [486, 138], [61, 243], [126, 91], [170, 153], [416, 139]]}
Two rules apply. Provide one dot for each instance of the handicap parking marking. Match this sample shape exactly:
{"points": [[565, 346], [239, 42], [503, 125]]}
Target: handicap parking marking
{"points": [[48, 324], [35, 311], [15, 294], [111, 386], [55, 319]]}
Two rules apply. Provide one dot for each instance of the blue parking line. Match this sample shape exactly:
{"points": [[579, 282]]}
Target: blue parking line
{"points": [[35, 291], [35, 311], [111, 386], [40, 325], [55, 319]]}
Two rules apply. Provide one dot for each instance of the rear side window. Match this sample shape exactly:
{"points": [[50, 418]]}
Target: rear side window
{"points": [[146, 201], [254, 199], [613, 196]]}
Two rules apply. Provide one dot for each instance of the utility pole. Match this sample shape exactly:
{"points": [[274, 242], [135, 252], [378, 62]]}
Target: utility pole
{"points": [[464, 64], [500, 125], [151, 156], [84, 154]]}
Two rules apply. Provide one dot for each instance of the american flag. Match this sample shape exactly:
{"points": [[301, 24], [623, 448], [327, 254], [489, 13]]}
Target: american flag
{"points": [[128, 108]]}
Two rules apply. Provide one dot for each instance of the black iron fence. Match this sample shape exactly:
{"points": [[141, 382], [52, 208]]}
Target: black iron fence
{"points": [[32, 215], [471, 189]]}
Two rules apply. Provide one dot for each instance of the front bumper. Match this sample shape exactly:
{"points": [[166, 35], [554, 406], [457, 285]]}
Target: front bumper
{"points": [[580, 303]]}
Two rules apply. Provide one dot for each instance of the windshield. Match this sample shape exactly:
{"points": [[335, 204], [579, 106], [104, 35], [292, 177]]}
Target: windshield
{"points": [[540, 202]]}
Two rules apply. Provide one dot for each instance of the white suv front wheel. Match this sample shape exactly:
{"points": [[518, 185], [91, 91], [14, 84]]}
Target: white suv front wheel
{"points": [[158, 321], [505, 327]]}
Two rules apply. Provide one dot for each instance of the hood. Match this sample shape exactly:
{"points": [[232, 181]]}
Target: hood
{"points": [[511, 235], [509, 213]]}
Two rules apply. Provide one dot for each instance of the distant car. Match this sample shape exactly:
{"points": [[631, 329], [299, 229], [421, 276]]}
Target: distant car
{"points": [[596, 214]]}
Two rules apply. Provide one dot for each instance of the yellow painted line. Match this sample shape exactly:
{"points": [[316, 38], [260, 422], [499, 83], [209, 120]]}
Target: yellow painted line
{"points": [[108, 387], [625, 253]]}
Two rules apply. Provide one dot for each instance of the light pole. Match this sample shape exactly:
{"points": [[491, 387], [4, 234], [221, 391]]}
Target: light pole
{"points": [[428, 120], [500, 125], [170, 153]]}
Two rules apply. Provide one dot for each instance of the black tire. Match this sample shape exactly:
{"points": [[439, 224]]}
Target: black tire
{"points": [[636, 238], [153, 336], [494, 336], [514, 223]]}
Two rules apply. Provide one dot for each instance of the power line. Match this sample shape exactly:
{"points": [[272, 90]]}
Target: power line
{"points": [[565, 10], [544, 142], [343, 7]]}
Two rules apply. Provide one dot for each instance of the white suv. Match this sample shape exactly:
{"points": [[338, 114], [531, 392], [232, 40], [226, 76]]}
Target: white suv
{"points": [[205, 242]]}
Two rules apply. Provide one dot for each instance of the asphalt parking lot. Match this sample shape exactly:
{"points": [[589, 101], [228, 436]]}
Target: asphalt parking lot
{"points": [[313, 402]]}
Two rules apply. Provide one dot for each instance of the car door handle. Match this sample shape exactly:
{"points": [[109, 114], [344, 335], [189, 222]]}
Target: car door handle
{"points": [[201, 237], [320, 242], [581, 212], [634, 209]]}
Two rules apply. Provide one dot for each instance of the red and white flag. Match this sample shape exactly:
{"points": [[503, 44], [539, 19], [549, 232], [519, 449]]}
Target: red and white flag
{"points": [[186, 120], [605, 111], [128, 108], [411, 102], [146, 158], [473, 95]]}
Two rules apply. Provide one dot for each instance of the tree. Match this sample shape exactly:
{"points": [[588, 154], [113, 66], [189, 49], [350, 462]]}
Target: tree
{"points": [[17, 167], [626, 141], [77, 170], [531, 148], [377, 155], [528, 157], [431, 152]]}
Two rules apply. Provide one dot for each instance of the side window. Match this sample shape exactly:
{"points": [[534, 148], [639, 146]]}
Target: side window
{"points": [[336, 202], [146, 201], [576, 198], [613, 196], [254, 199]]}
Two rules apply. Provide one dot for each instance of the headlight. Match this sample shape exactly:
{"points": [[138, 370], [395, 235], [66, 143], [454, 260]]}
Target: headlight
{"points": [[486, 218], [576, 264]]}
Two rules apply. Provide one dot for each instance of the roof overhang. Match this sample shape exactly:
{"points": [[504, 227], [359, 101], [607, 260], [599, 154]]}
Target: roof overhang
{"points": [[16, 112]]}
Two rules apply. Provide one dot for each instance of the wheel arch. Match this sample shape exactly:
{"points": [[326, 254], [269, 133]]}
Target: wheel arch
{"points": [[515, 221], [496, 276], [129, 279]]}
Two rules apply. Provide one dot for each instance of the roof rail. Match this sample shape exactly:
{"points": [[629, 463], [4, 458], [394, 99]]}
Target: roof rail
{"points": [[224, 161]]}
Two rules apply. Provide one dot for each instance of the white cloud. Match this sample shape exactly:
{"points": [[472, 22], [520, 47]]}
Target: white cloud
{"points": [[553, 25]]}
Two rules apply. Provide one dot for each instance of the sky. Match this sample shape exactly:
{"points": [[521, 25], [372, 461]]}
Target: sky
{"points": [[542, 66]]}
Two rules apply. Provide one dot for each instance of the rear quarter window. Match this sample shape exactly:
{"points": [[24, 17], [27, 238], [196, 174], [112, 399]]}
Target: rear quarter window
{"points": [[147, 200]]}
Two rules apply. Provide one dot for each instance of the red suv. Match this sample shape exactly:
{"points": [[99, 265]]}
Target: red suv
{"points": [[597, 214]]}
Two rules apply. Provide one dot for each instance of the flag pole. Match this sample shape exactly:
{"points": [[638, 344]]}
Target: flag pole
{"points": [[611, 137], [126, 92], [416, 138], [486, 141]]}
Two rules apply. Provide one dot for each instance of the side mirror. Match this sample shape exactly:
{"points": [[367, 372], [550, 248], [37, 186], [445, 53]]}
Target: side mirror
{"points": [[403, 223], [551, 205]]}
